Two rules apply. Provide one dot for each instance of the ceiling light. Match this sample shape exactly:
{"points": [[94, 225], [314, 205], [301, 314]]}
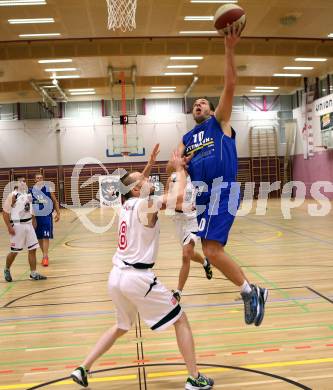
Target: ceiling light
{"points": [[262, 90], [178, 74], [48, 86], [214, 1], [330, 35], [182, 66], [211, 32], [39, 35], [29, 21], [267, 87], [9, 3], [83, 93], [298, 67], [74, 76], [186, 58], [60, 70], [163, 87], [300, 59], [55, 61], [287, 75], [162, 90], [196, 18], [82, 90]]}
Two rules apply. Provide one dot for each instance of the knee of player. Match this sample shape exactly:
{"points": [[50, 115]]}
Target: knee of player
{"points": [[188, 253], [186, 258], [120, 332], [212, 252]]}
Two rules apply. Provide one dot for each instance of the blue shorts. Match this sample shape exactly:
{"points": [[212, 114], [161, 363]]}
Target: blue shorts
{"points": [[217, 218], [44, 227]]}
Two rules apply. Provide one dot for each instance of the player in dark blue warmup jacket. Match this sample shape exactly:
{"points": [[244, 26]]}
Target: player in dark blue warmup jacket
{"points": [[211, 145], [44, 203]]}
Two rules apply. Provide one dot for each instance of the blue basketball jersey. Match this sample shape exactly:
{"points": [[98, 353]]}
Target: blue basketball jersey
{"points": [[42, 202], [214, 155]]}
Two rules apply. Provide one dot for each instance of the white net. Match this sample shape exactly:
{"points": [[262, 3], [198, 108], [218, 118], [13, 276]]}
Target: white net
{"points": [[121, 14]]}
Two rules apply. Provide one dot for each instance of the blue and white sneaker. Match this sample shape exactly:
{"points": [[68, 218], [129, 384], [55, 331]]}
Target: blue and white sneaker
{"points": [[263, 298], [202, 382], [80, 376], [252, 305]]}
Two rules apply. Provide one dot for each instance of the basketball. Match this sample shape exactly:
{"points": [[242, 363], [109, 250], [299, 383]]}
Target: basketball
{"points": [[227, 15]]}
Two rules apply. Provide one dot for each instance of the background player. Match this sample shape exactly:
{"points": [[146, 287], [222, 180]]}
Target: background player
{"points": [[186, 224], [211, 143], [17, 215], [133, 286], [44, 202]]}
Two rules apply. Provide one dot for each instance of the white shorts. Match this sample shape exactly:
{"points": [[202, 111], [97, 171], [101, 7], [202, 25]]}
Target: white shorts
{"points": [[134, 291], [25, 237], [186, 228]]}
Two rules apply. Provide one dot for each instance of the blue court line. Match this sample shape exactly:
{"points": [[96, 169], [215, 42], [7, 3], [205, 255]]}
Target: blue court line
{"points": [[289, 230], [81, 314]]}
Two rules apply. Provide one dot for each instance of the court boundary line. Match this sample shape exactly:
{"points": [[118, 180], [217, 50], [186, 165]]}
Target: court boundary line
{"points": [[320, 294], [271, 375]]}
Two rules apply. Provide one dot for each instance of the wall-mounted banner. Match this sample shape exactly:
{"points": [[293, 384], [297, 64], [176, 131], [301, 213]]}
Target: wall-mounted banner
{"points": [[326, 121], [156, 180], [109, 194], [324, 105]]}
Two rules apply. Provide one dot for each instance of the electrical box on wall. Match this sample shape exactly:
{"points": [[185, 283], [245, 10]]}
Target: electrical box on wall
{"points": [[326, 126]]}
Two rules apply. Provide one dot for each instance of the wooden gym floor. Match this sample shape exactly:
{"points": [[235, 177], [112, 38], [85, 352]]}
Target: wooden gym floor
{"points": [[46, 328]]}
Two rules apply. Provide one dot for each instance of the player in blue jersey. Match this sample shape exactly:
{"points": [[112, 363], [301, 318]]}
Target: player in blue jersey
{"points": [[44, 203], [213, 170]]}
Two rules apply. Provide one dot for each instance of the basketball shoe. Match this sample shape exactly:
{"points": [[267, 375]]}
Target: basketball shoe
{"points": [[80, 376], [254, 305], [263, 298], [45, 261], [208, 270], [37, 276], [202, 382], [7, 275]]}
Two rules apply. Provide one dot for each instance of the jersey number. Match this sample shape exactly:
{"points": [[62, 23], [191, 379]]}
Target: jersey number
{"points": [[198, 137], [122, 236]]}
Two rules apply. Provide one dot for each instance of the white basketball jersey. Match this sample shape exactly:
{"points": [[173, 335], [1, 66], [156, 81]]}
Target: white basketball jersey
{"points": [[136, 242], [22, 206], [189, 196]]}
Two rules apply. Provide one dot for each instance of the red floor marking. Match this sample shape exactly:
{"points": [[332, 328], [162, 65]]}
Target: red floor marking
{"points": [[239, 353], [6, 371], [303, 347], [107, 364], [175, 358], [141, 361], [39, 369], [329, 345], [272, 350], [71, 366]]}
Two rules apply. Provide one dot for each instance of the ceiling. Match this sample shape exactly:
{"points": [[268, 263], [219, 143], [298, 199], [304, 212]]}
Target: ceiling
{"points": [[277, 32]]}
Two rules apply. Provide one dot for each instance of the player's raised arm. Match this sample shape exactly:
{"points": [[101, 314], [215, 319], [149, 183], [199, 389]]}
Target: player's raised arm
{"points": [[224, 109], [170, 167], [148, 210], [151, 161]]}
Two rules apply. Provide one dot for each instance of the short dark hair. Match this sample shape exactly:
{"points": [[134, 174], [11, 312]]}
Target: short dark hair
{"points": [[126, 181], [211, 105], [39, 174]]}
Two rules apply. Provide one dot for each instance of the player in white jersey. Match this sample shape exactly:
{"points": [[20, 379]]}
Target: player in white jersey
{"points": [[132, 284], [186, 224], [17, 214]]}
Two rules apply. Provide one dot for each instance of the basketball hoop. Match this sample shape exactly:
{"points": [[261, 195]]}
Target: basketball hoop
{"points": [[121, 14]]}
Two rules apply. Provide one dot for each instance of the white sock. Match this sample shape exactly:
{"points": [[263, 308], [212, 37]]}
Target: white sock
{"points": [[205, 263], [246, 288], [33, 273]]}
